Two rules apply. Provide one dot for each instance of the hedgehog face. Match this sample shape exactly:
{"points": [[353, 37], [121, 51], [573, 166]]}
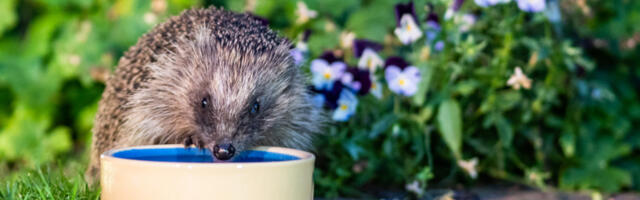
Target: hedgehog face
{"points": [[223, 96], [240, 116]]}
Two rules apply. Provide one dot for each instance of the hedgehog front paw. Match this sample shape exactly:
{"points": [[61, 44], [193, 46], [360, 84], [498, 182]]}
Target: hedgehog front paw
{"points": [[188, 142]]}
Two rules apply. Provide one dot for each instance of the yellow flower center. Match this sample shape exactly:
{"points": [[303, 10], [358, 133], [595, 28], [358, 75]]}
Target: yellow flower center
{"points": [[408, 27], [402, 82], [327, 75], [343, 107], [374, 85]]}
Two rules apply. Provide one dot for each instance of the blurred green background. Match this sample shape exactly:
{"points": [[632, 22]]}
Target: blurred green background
{"points": [[575, 129]]}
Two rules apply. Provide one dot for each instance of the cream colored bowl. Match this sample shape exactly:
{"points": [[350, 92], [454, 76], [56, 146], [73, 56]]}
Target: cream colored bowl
{"points": [[125, 177]]}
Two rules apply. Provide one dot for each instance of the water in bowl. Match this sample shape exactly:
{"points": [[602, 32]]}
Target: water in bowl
{"points": [[198, 156]]}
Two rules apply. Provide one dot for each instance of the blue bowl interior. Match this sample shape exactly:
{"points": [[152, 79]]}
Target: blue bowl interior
{"points": [[195, 155]]}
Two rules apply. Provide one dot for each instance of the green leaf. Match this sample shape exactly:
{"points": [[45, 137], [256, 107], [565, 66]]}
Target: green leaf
{"points": [[40, 33], [610, 179], [382, 125], [7, 15], [372, 26], [450, 125], [505, 131], [333, 8], [568, 143]]}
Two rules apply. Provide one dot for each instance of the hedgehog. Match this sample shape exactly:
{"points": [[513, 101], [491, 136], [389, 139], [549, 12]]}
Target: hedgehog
{"points": [[208, 78]]}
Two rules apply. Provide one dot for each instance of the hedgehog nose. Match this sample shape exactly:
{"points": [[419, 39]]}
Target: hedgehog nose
{"points": [[223, 151]]}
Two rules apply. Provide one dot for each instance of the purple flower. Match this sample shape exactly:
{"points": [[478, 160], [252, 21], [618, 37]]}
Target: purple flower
{"points": [[402, 9], [439, 46], [318, 100], [329, 96], [433, 25], [330, 57], [396, 61], [359, 46], [326, 71], [407, 29], [367, 52], [347, 104], [357, 79], [402, 78], [455, 7], [532, 5], [298, 56], [301, 50], [486, 3]]}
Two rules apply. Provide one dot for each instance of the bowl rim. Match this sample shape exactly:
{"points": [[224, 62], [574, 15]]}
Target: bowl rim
{"points": [[304, 157]]}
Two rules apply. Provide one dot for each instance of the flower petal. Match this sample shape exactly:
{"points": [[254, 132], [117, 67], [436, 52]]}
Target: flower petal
{"points": [[318, 65], [391, 73]]}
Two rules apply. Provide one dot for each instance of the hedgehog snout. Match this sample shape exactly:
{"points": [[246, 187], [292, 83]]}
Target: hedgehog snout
{"points": [[223, 151]]}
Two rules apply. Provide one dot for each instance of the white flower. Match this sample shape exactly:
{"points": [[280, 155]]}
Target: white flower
{"points": [[324, 74], [346, 39], [518, 79], [304, 13], [347, 103], [532, 5], [465, 21], [414, 187], [403, 82], [469, 167], [370, 60], [449, 14], [376, 87], [408, 31], [485, 3], [150, 18]]}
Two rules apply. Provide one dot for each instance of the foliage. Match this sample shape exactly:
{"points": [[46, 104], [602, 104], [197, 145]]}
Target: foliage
{"points": [[572, 128]]}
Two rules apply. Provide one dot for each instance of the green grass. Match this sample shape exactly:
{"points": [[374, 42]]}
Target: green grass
{"points": [[48, 182]]}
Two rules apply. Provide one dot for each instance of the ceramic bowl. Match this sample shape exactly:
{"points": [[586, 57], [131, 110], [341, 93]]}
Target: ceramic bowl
{"points": [[173, 172]]}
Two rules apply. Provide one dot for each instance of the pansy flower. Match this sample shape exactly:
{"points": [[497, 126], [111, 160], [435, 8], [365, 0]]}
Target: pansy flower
{"points": [[465, 22], [518, 80], [433, 25], [327, 98], [326, 70], [455, 7], [407, 29], [438, 46], [359, 80], [304, 13], [347, 104], [532, 5], [301, 50], [401, 78], [486, 3], [376, 87], [367, 52]]}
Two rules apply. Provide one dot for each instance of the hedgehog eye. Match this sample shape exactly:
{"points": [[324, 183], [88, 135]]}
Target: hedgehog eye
{"points": [[255, 107], [204, 102]]}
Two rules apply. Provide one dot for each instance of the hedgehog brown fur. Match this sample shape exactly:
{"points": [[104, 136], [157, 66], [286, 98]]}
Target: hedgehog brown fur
{"points": [[205, 77]]}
